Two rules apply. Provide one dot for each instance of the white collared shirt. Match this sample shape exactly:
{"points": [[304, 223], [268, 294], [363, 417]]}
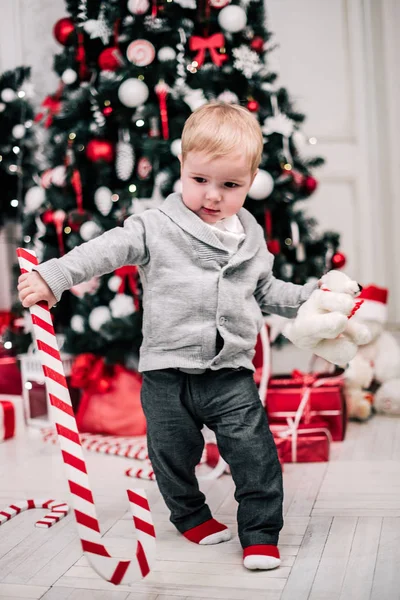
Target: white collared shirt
{"points": [[229, 231]]}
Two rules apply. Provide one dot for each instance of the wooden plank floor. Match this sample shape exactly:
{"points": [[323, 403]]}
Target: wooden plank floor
{"points": [[341, 539]]}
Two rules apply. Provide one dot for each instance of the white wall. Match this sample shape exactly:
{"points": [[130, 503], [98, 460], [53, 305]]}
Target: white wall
{"points": [[338, 60]]}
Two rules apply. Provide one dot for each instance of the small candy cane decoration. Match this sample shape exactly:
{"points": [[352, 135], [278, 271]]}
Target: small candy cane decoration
{"points": [[58, 511], [112, 569]]}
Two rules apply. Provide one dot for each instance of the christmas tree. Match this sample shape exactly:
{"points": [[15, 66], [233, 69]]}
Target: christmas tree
{"points": [[131, 72], [17, 141]]}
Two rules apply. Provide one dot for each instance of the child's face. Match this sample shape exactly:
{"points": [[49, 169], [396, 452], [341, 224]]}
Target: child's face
{"points": [[215, 188]]}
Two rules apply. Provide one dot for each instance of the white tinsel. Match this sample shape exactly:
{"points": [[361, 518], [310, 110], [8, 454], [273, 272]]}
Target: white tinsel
{"points": [[247, 61], [82, 15], [279, 123], [125, 158]]}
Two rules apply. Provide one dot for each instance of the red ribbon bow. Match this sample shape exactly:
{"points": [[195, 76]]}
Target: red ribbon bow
{"points": [[90, 372], [51, 107], [200, 44], [129, 276]]}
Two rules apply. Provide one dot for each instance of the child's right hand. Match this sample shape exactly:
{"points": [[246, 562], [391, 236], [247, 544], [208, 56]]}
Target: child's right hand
{"points": [[32, 289]]}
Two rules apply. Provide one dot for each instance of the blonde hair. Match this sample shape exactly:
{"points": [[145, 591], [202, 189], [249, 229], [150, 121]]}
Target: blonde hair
{"points": [[218, 129]]}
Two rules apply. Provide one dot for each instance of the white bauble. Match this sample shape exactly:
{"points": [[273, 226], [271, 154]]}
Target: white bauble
{"points": [[133, 92], [176, 147], [102, 199], [58, 175], [166, 53], [232, 18], [138, 7], [114, 282], [18, 131], [89, 230], [99, 316], [228, 97], [78, 324], [178, 186], [8, 95], [69, 76], [34, 198], [262, 186], [122, 306]]}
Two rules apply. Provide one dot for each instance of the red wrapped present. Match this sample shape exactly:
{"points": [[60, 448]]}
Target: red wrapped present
{"points": [[110, 402], [324, 399], [10, 377], [7, 420], [304, 443]]}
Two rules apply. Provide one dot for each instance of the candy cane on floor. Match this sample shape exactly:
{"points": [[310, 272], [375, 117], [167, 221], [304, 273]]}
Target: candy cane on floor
{"points": [[58, 511], [112, 569]]}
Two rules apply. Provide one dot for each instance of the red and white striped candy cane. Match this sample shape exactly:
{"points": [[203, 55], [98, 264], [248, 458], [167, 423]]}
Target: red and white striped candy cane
{"points": [[112, 569], [58, 511]]}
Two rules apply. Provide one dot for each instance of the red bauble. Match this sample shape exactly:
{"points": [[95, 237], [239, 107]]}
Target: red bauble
{"points": [[253, 105], [257, 44], [110, 59], [310, 184], [47, 217], [62, 31], [338, 260], [107, 111], [274, 247], [100, 150]]}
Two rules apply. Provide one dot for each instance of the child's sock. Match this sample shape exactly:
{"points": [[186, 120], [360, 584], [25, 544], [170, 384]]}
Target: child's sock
{"points": [[209, 532], [261, 556]]}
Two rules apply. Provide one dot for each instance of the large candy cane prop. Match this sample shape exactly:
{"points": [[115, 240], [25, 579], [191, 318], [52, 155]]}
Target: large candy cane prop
{"points": [[58, 511], [112, 569]]}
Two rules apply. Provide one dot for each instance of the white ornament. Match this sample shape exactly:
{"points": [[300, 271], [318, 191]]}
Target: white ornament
{"points": [[89, 230], [122, 306], [178, 186], [246, 60], [34, 198], [69, 76], [102, 199], [141, 53], [138, 7], [98, 28], [195, 98], [279, 123], [58, 175], [232, 19], [18, 132], [262, 185], [114, 282], [99, 316], [125, 160], [166, 53], [176, 147], [228, 97], [133, 92], [8, 95], [78, 324], [188, 4]]}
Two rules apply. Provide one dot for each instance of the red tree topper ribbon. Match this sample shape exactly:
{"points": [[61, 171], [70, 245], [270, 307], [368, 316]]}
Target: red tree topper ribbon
{"points": [[129, 275], [212, 43]]}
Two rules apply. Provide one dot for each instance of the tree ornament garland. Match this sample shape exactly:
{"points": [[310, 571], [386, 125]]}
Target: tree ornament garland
{"points": [[141, 53], [63, 30], [133, 92]]}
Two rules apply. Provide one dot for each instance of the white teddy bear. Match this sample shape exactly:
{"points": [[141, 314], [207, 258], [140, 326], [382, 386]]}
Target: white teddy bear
{"points": [[323, 323], [378, 362]]}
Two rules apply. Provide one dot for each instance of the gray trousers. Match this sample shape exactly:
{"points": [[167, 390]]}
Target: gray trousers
{"points": [[176, 406]]}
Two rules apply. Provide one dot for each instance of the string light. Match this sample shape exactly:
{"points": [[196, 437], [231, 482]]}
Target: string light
{"points": [[139, 123], [16, 149], [312, 140], [132, 188], [14, 203], [21, 94], [28, 385], [27, 239], [115, 197], [7, 345], [28, 124], [13, 168], [141, 77], [67, 230], [287, 167], [107, 102], [72, 136]]}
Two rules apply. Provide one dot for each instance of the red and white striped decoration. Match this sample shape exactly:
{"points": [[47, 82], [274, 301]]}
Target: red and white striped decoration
{"points": [[112, 569], [58, 511], [142, 473]]}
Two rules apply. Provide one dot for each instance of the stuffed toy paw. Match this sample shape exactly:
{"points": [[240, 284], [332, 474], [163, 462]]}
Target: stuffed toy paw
{"points": [[323, 322]]}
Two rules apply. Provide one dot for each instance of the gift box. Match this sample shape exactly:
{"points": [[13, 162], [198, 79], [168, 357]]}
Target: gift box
{"points": [[11, 417], [10, 377], [304, 443], [326, 400]]}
